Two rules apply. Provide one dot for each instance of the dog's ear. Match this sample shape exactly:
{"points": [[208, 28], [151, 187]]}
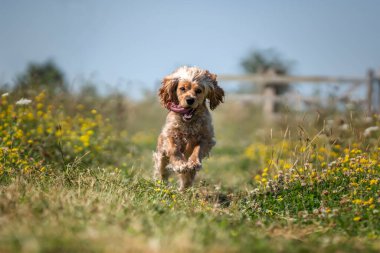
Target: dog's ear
{"points": [[167, 92], [215, 94]]}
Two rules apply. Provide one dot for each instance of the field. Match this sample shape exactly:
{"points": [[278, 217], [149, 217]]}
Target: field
{"points": [[75, 176]]}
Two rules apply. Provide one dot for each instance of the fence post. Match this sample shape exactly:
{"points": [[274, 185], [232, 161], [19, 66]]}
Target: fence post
{"points": [[269, 102], [370, 79]]}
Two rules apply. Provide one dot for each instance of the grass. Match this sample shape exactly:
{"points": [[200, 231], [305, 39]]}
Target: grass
{"points": [[74, 180]]}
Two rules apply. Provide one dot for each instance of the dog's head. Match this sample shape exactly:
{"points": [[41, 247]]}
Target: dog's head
{"points": [[187, 88]]}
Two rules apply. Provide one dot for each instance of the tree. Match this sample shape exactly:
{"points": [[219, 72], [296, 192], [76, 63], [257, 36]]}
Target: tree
{"points": [[37, 77], [268, 61]]}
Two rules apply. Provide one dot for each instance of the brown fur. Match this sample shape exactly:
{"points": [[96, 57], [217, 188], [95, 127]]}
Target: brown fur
{"points": [[182, 145]]}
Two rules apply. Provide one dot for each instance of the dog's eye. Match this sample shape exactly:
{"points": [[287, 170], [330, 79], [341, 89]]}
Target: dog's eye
{"points": [[198, 91], [182, 88]]}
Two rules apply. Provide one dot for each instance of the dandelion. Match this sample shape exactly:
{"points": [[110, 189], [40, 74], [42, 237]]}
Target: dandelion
{"points": [[23, 101], [357, 218]]}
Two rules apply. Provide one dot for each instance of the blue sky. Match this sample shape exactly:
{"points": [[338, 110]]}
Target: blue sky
{"points": [[133, 44]]}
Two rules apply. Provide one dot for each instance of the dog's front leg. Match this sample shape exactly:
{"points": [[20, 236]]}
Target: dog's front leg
{"points": [[200, 151], [193, 164], [195, 159], [177, 159]]}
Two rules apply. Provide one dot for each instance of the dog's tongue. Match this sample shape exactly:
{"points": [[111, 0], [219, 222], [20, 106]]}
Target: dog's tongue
{"points": [[179, 109], [187, 113]]}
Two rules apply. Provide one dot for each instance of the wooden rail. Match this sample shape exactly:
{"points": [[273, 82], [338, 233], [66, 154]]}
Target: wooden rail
{"points": [[290, 79], [269, 97]]}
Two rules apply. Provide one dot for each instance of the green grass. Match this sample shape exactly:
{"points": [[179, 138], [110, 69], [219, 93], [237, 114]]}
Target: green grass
{"points": [[101, 211], [265, 188]]}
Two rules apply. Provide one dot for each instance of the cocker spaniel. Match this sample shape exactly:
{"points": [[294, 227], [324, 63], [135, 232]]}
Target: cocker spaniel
{"points": [[188, 135]]}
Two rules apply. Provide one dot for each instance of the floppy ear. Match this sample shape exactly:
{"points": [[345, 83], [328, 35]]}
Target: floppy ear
{"points": [[215, 94], [167, 92]]}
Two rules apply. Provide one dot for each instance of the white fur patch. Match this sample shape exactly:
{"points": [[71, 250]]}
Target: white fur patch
{"points": [[190, 74]]}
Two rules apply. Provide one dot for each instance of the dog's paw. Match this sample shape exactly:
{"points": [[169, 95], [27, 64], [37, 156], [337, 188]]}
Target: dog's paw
{"points": [[187, 167], [194, 165], [180, 168]]}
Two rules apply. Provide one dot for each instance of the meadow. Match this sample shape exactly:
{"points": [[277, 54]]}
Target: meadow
{"points": [[76, 176]]}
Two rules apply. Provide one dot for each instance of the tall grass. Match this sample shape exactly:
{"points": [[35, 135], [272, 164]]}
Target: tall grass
{"points": [[76, 177]]}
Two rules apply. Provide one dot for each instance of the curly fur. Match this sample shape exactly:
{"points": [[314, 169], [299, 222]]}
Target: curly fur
{"points": [[183, 144]]}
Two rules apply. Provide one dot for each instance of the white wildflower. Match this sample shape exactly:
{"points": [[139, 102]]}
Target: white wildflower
{"points": [[344, 127], [255, 191], [23, 101], [369, 130], [5, 94]]}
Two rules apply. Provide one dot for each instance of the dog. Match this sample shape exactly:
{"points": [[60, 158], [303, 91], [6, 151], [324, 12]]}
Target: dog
{"points": [[188, 135]]}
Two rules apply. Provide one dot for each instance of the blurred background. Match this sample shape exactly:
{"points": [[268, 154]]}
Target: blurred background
{"points": [[128, 46], [283, 63]]}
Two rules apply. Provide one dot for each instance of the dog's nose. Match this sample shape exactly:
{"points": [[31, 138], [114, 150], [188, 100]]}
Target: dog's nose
{"points": [[190, 101]]}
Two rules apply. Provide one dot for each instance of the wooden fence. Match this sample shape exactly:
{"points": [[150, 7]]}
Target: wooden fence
{"points": [[269, 97]]}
